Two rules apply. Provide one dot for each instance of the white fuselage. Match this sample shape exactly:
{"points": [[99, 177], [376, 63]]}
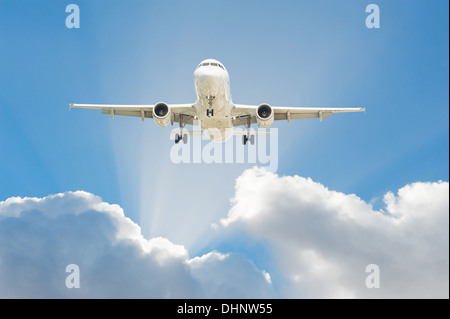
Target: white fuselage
{"points": [[212, 85]]}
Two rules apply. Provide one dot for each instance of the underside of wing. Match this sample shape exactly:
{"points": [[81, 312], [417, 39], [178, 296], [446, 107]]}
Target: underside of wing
{"points": [[249, 114], [141, 111], [293, 113], [176, 112]]}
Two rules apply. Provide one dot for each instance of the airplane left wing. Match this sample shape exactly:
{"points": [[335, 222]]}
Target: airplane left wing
{"points": [[242, 114], [143, 111]]}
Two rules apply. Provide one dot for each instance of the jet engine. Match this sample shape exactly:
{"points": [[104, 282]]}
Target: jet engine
{"points": [[264, 115], [161, 114]]}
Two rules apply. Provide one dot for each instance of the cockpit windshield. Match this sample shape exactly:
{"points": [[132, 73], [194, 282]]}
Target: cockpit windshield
{"points": [[211, 64]]}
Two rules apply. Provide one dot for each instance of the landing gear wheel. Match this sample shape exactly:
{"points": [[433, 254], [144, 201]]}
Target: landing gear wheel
{"points": [[244, 139], [252, 139], [179, 137]]}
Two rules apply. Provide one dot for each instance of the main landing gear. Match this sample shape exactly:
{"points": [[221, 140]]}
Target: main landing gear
{"points": [[248, 137], [181, 136]]}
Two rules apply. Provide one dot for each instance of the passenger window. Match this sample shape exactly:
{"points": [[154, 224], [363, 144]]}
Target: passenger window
{"points": [[214, 64]]}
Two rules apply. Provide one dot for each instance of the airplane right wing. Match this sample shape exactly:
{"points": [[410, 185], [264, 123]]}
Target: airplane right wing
{"points": [[186, 111]]}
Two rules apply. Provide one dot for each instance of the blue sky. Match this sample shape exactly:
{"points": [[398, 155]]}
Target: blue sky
{"points": [[288, 53]]}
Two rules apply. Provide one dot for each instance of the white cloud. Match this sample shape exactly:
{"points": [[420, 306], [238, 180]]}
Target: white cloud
{"points": [[235, 272], [39, 237], [319, 244], [323, 240]]}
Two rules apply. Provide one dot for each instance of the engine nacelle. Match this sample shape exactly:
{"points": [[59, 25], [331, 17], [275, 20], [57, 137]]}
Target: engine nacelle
{"points": [[162, 114], [264, 115]]}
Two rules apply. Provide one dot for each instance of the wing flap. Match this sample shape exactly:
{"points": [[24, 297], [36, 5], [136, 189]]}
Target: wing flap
{"points": [[294, 116], [187, 119], [243, 120], [147, 114]]}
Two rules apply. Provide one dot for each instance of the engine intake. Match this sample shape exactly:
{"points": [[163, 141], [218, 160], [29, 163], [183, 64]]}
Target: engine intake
{"points": [[264, 115], [161, 114]]}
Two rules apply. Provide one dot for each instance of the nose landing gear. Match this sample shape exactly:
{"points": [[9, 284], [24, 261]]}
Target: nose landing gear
{"points": [[210, 111]]}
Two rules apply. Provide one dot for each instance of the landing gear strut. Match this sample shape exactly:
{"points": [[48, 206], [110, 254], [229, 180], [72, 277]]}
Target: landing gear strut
{"points": [[210, 110], [248, 137], [181, 136]]}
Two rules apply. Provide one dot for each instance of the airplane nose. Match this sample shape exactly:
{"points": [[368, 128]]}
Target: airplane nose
{"points": [[206, 77]]}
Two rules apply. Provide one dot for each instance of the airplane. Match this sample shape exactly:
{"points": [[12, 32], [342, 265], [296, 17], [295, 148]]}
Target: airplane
{"points": [[214, 110]]}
